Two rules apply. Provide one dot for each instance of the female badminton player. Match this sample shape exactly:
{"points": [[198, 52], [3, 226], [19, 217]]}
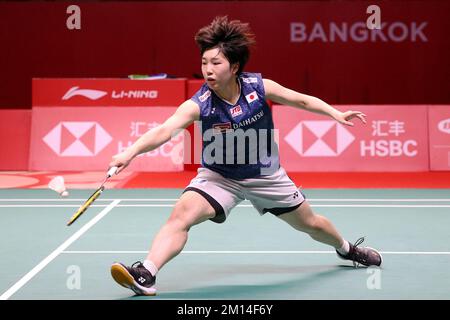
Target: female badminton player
{"points": [[231, 105]]}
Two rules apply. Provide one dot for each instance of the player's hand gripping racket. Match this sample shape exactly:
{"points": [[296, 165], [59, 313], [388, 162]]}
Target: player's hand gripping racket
{"points": [[92, 198]]}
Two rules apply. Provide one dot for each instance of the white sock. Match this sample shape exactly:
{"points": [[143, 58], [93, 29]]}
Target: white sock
{"points": [[150, 266], [345, 249]]}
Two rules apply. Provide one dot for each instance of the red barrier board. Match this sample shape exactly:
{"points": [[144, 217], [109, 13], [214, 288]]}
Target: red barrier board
{"points": [[439, 133], [193, 86], [108, 92], [86, 138], [394, 139], [14, 139]]}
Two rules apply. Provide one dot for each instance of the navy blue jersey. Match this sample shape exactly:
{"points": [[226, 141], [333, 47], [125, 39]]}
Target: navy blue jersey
{"points": [[238, 140]]}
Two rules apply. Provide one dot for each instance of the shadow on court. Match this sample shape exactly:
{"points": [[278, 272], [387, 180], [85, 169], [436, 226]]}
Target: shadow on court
{"points": [[308, 276]]}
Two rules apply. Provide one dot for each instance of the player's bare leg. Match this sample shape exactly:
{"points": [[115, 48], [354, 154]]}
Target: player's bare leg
{"points": [[190, 210], [321, 229], [317, 227]]}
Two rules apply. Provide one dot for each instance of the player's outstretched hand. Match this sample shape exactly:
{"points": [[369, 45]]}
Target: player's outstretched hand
{"points": [[345, 117], [121, 160]]}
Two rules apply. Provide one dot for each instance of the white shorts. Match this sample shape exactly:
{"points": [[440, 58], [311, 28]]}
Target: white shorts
{"points": [[274, 193]]}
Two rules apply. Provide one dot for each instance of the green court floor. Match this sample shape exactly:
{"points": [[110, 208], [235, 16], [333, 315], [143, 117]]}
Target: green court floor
{"points": [[247, 257]]}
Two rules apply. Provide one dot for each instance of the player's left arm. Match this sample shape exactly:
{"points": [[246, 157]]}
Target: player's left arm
{"points": [[285, 96]]}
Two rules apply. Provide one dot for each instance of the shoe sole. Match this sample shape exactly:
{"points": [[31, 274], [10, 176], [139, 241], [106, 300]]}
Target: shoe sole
{"points": [[121, 275]]}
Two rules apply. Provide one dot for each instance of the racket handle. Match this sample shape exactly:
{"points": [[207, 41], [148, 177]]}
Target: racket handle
{"points": [[112, 171]]}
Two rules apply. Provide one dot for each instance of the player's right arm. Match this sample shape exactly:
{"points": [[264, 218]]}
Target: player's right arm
{"points": [[186, 114]]}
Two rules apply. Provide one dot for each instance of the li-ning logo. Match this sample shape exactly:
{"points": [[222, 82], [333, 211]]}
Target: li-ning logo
{"points": [[87, 93], [444, 126], [77, 139], [135, 94], [319, 138]]}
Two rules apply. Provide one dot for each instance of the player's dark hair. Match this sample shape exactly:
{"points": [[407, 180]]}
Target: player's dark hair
{"points": [[232, 38]]}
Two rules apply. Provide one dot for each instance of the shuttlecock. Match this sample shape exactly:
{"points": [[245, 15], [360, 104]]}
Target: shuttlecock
{"points": [[57, 184]]}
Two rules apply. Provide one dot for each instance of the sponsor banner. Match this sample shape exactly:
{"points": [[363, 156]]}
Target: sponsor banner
{"points": [[108, 92], [14, 139], [439, 132], [86, 138], [394, 139]]}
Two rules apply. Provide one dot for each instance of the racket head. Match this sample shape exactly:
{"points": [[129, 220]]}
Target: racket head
{"points": [[86, 205]]}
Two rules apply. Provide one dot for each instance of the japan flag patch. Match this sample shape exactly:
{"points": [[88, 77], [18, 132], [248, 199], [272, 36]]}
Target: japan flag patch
{"points": [[251, 97]]}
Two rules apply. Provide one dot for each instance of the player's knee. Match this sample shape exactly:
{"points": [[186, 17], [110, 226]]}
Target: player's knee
{"points": [[179, 217], [185, 215], [311, 225]]}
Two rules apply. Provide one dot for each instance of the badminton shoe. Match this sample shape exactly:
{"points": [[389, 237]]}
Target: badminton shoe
{"points": [[136, 278], [362, 255]]}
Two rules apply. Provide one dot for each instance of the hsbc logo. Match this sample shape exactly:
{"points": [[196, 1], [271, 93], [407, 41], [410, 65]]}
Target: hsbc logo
{"points": [[444, 126], [77, 139], [87, 93], [319, 138]]}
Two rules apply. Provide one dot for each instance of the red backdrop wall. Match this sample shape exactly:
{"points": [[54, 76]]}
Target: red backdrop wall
{"points": [[407, 63], [15, 131]]}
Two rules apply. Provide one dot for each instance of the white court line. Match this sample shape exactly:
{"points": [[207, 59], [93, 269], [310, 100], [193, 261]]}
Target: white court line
{"points": [[19, 284], [176, 199], [239, 206], [256, 252]]}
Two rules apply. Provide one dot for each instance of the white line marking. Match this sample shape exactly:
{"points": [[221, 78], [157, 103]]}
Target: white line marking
{"points": [[256, 252], [48, 205], [19, 284]]}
